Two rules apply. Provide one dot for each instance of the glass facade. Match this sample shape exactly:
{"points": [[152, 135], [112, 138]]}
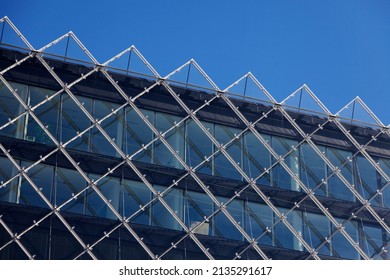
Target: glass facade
{"points": [[111, 197], [129, 132], [135, 201]]}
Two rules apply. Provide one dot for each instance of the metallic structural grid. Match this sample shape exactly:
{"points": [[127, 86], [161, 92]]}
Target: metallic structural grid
{"points": [[98, 162]]}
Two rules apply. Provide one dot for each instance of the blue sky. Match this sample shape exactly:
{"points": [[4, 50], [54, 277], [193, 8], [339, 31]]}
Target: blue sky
{"points": [[340, 49]]}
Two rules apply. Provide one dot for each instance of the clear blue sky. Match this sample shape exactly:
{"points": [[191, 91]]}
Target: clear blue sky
{"points": [[340, 49]]}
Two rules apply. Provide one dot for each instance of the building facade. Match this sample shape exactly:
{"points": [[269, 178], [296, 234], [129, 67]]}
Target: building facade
{"points": [[100, 163]]}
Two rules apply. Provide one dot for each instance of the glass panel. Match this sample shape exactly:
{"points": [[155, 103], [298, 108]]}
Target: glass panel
{"points": [[47, 113], [11, 108], [280, 176], [131, 250], [222, 166], [256, 158], [68, 183], [313, 171], [385, 165], [260, 219], [4, 238], [63, 245], [107, 249], [223, 226], [175, 138], [113, 126], [341, 246], [283, 236], [342, 160], [315, 228], [373, 242], [367, 180], [36, 241], [198, 207], [137, 133], [199, 146], [42, 176], [135, 196], [74, 121], [110, 188], [9, 191], [161, 217]]}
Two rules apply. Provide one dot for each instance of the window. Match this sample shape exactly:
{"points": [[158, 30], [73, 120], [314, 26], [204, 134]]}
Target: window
{"points": [[10, 108], [74, 121], [256, 158], [341, 246], [47, 113], [373, 242], [137, 134], [69, 183], [367, 179], [174, 137], [315, 229], [198, 207], [8, 192], [113, 127], [342, 160], [161, 217], [283, 236], [313, 171], [199, 146], [280, 176], [95, 205], [42, 177], [260, 219], [223, 226], [135, 196], [223, 167], [385, 165]]}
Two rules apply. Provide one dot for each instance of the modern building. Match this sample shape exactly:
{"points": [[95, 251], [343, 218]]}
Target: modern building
{"points": [[102, 163]]}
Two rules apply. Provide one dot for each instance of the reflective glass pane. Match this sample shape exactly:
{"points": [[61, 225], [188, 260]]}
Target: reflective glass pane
{"points": [[342, 160], [110, 188], [112, 125], [36, 242], [74, 121], [63, 245], [47, 113], [198, 146], [256, 158], [198, 206], [11, 108], [42, 176], [174, 137], [222, 166], [161, 217], [283, 236], [137, 134], [135, 196], [373, 242], [4, 238], [223, 226], [315, 228], [385, 165], [107, 249], [9, 191], [313, 171], [280, 176], [367, 180], [341, 247], [69, 183], [260, 219]]}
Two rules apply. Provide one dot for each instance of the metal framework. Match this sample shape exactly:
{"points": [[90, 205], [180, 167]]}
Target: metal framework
{"points": [[191, 171]]}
